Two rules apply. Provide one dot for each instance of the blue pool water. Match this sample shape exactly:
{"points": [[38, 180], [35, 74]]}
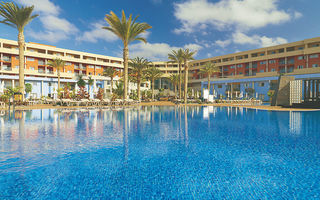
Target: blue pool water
{"points": [[160, 153]]}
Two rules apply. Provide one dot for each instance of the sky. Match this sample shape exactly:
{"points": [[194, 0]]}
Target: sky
{"points": [[209, 27]]}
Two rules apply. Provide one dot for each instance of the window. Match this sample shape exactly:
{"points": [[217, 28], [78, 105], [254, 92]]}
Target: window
{"points": [[98, 67], [273, 69], [17, 57], [99, 74], [263, 62], [300, 67], [314, 56], [17, 66], [261, 54], [239, 66], [30, 59], [91, 66], [291, 61], [300, 48], [69, 71], [272, 61], [261, 84], [262, 70], [246, 85], [300, 58], [31, 68], [315, 65], [68, 63], [90, 73]]}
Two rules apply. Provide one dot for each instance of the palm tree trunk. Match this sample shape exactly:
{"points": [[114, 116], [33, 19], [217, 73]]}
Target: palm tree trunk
{"points": [[179, 81], [58, 72], [21, 44], [111, 85], [209, 83], [175, 89], [139, 82], [185, 81], [125, 76], [152, 85]]}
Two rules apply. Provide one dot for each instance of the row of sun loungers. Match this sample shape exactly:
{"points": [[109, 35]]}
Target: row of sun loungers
{"points": [[94, 102]]}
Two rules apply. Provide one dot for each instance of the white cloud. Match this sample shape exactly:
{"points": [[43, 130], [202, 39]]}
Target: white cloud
{"points": [[43, 6], [54, 23], [242, 15], [261, 41], [193, 47], [223, 43], [55, 27], [297, 15], [97, 33], [157, 51]]}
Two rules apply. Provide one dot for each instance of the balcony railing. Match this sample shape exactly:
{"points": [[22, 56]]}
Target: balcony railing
{"points": [[41, 71], [6, 68], [49, 72], [7, 59]]}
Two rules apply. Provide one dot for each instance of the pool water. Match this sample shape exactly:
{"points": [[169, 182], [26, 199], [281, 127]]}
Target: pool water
{"points": [[160, 153]]}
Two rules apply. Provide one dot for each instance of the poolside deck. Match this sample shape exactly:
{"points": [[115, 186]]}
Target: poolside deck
{"points": [[168, 103]]}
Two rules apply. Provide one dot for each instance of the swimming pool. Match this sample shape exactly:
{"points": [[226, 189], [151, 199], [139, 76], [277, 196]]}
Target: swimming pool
{"points": [[160, 152]]}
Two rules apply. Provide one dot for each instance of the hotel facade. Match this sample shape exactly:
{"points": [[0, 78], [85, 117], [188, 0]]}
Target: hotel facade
{"points": [[44, 78], [259, 69], [256, 69]]}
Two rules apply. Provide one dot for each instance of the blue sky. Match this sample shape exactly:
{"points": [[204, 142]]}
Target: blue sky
{"points": [[211, 27]]}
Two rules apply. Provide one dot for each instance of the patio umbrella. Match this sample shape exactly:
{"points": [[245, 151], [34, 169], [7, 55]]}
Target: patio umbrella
{"points": [[55, 92], [76, 88], [2, 87], [192, 92], [215, 95], [228, 94], [241, 95], [94, 86]]}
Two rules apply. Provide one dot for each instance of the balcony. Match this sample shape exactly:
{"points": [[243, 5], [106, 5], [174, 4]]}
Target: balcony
{"points": [[41, 71], [6, 68], [49, 72], [7, 59], [40, 62]]}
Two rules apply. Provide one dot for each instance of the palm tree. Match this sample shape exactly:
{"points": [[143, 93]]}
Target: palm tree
{"points": [[174, 79], [110, 72], [153, 74], [138, 66], [208, 69], [176, 57], [18, 17], [128, 30], [186, 55], [58, 64]]}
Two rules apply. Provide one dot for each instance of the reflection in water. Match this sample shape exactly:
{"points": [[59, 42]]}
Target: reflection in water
{"points": [[31, 132], [295, 122]]}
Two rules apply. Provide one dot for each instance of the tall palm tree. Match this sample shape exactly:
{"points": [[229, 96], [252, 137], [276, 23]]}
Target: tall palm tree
{"points": [[176, 57], [58, 64], [187, 55], [138, 66], [110, 72], [128, 30], [208, 69], [174, 79], [18, 17], [153, 74]]}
